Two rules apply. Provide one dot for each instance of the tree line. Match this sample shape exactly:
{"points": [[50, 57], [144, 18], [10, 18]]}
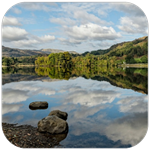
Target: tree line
{"points": [[15, 61], [112, 59], [67, 60]]}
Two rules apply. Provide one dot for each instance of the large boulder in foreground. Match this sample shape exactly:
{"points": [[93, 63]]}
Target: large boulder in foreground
{"points": [[59, 114], [53, 125], [38, 105]]}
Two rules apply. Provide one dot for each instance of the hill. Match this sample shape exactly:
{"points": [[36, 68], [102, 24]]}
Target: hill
{"points": [[126, 48], [14, 52], [130, 52], [116, 47], [48, 51]]}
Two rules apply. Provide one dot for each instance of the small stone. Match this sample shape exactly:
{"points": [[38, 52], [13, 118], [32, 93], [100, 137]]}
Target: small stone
{"points": [[38, 105]]}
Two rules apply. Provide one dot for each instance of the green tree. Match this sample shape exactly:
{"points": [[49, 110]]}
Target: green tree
{"points": [[144, 59]]}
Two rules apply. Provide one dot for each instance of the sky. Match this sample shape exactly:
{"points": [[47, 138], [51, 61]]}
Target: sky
{"points": [[72, 26]]}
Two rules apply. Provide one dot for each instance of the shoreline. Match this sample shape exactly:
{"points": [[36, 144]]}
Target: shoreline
{"points": [[20, 66], [121, 65], [27, 136], [134, 65]]}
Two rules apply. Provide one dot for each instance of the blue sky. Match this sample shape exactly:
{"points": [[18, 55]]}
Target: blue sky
{"points": [[68, 26]]}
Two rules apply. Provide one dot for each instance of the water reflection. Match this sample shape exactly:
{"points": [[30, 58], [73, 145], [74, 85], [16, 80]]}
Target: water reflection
{"points": [[100, 114], [12, 74], [56, 138], [129, 129], [130, 78]]}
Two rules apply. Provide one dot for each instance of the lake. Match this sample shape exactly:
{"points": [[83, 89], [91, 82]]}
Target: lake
{"points": [[105, 109]]}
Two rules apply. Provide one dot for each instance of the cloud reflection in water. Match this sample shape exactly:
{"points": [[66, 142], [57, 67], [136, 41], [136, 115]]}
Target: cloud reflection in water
{"points": [[90, 105]]}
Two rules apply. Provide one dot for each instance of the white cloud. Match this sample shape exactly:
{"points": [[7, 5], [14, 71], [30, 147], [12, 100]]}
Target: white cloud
{"points": [[104, 44], [16, 10], [13, 34], [47, 38], [91, 98], [47, 92], [133, 104], [9, 96], [91, 32], [73, 15], [63, 21], [7, 108], [78, 13], [23, 90], [33, 41], [128, 129], [128, 8], [35, 6], [70, 41], [10, 21], [85, 17], [25, 43], [134, 25], [84, 112], [19, 37]]}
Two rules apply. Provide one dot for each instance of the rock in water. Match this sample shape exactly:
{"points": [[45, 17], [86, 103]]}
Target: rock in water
{"points": [[38, 105], [59, 114], [53, 125]]}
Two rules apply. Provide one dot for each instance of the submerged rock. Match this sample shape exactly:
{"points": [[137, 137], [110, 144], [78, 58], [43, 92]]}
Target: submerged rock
{"points": [[59, 114], [38, 105], [53, 124]]}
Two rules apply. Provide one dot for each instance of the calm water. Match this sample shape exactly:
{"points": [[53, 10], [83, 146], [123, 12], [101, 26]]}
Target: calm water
{"points": [[101, 112]]}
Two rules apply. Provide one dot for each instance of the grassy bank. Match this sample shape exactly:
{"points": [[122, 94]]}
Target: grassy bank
{"points": [[122, 65], [134, 65], [19, 66]]}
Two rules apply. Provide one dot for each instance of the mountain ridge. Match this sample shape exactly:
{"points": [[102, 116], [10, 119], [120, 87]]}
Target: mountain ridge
{"points": [[49, 50], [15, 52]]}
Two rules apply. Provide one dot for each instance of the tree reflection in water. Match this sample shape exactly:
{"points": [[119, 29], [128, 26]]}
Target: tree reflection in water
{"points": [[130, 78]]}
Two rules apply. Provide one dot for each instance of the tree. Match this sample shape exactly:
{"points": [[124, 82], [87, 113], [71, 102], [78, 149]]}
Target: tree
{"points": [[6, 61], [144, 59], [128, 58]]}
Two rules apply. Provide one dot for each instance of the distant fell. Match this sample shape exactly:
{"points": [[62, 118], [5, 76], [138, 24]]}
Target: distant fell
{"points": [[49, 50], [15, 52]]}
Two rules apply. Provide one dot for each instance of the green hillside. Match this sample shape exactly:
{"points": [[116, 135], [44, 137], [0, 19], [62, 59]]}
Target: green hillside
{"points": [[135, 51], [132, 52]]}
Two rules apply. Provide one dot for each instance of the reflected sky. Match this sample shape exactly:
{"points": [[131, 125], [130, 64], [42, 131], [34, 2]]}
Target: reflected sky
{"points": [[97, 111]]}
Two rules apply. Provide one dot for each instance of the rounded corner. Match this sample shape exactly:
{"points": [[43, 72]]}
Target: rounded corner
{"points": [[2, 129]]}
